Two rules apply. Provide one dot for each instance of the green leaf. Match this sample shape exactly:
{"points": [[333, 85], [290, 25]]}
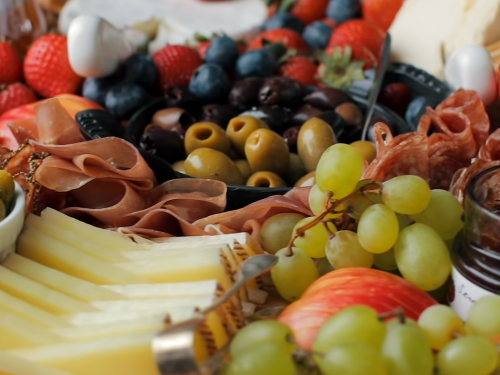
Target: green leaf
{"points": [[271, 2], [286, 5], [201, 38]]}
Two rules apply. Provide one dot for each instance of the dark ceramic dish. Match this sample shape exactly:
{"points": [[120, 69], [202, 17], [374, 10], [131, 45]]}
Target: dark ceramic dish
{"points": [[98, 124]]}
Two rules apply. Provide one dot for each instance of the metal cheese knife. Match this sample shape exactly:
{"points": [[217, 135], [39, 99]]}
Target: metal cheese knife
{"points": [[377, 84]]}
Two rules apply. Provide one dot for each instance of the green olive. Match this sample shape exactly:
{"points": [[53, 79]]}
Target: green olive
{"points": [[179, 166], [206, 135], [307, 180], [240, 128], [7, 188], [266, 179], [214, 165], [315, 136], [3, 210], [244, 168], [351, 114], [295, 170], [267, 151]]}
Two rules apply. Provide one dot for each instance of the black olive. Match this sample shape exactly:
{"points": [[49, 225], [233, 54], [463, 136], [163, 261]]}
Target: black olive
{"points": [[281, 91], [245, 93], [327, 98]]}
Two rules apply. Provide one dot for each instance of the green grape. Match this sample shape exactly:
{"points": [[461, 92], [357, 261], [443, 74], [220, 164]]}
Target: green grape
{"points": [[403, 221], [358, 324], [394, 322], [339, 170], [407, 352], [324, 266], [314, 240], [440, 324], [293, 274], [317, 202], [264, 359], [442, 293], [468, 355], [359, 204], [422, 257], [378, 229], [260, 333], [353, 359], [444, 214], [408, 195], [345, 251], [484, 317], [386, 261], [277, 231]]}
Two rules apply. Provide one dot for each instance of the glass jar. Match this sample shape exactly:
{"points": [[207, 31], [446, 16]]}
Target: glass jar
{"points": [[476, 250], [21, 21]]}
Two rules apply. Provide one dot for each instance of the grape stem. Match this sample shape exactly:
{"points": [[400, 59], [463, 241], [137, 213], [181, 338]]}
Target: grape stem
{"points": [[398, 312], [371, 187]]}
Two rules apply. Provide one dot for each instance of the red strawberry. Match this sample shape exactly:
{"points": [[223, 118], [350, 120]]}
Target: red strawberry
{"points": [[396, 96], [299, 68], [12, 67], [272, 9], [360, 32], [15, 95], [202, 48], [381, 12], [338, 68], [307, 11], [291, 39], [176, 64], [329, 22], [359, 53], [47, 69]]}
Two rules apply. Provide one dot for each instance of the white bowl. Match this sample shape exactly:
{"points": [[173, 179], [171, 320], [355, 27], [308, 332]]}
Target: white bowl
{"points": [[12, 225]]}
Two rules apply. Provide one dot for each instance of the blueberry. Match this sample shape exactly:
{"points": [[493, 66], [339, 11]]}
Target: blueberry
{"points": [[415, 110], [256, 63], [210, 84], [125, 98], [284, 20], [95, 89], [140, 69], [343, 10], [222, 51], [317, 35]]}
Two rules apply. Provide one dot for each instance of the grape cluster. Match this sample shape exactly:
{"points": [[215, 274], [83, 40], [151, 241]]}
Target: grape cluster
{"points": [[400, 224], [357, 341]]}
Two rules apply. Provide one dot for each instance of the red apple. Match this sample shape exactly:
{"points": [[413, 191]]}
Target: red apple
{"points": [[72, 103], [343, 288]]}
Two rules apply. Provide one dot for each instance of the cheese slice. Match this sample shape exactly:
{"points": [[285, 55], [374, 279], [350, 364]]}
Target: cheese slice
{"points": [[167, 290], [154, 304], [101, 237], [203, 265], [71, 238], [39, 295], [29, 312], [124, 355], [54, 254], [13, 365], [16, 332], [59, 281]]}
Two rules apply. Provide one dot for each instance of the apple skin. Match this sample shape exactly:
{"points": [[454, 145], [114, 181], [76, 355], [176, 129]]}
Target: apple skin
{"points": [[347, 287], [72, 103]]}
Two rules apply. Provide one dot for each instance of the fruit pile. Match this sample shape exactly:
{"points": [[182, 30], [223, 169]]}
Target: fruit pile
{"points": [[358, 341], [267, 146], [400, 224]]}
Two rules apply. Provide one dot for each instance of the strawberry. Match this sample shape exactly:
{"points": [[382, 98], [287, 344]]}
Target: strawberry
{"points": [[291, 39], [359, 32], [381, 12], [299, 68], [396, 96], [176, 64], [202, 48], [359, 53], [15, 95], [12, 67], [47, 69], [307, 11], [338, 68]]}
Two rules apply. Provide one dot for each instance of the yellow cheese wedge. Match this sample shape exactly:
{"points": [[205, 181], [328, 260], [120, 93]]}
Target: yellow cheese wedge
{"points": [[16, 332], [204, 265], [167, 290], [135, 256], [101, 237], [65, 258], [39, 295], [13, 365], [59, 281], [38, 224], [154, 304], [121, 355], [29, 312]]}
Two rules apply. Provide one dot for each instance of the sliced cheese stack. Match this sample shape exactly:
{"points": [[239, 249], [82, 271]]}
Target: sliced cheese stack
{"points": [[84, 300]]}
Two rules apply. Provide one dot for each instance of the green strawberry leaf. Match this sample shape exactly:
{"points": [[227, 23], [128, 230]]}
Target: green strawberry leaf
{"points": [[271, 2], [286, 5], [201, 38]]}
